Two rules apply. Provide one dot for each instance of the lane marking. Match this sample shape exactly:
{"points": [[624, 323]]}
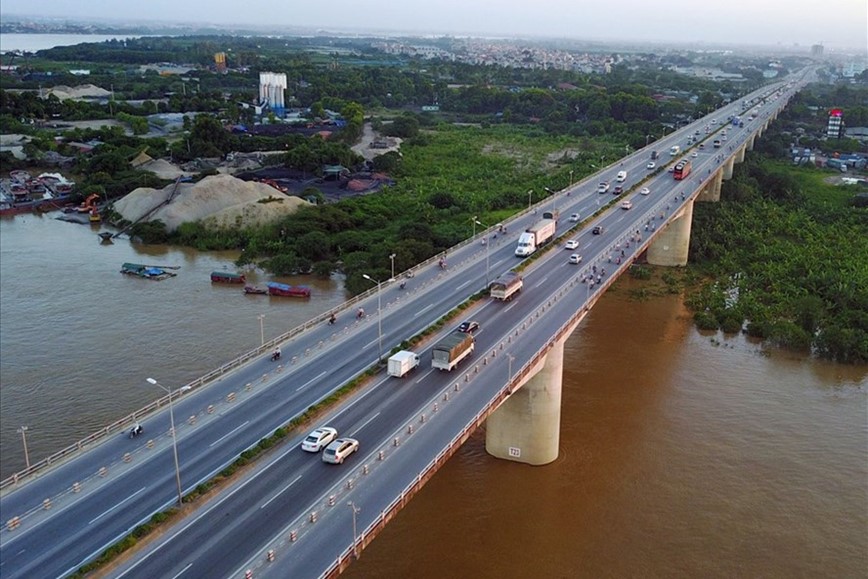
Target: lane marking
{"points": [[468, 282], [239, 427], [265, 504], [364, 424], [312, 380], [425, 375], [423, 310], [117, 505], [542, 281], [183, 571]]}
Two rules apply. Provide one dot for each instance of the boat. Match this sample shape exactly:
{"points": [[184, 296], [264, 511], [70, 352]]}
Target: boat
{"points": [[255, 290], [227, 277], [290, 291], [146, 271]]}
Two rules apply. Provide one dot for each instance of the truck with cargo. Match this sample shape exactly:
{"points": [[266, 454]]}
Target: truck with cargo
{"points": [[535, 236], [505, 286], [401, 363], [451, 350]]}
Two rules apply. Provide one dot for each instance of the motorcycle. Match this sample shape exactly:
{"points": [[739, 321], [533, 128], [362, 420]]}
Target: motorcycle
{"points": [[136, 430], [275, 356]]}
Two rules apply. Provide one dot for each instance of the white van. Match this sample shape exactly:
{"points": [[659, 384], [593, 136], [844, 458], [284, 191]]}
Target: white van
{"points": [[622, 176], [675, 150]]}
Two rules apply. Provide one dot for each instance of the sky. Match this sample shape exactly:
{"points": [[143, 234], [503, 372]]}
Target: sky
{"points": [[837, 24]]}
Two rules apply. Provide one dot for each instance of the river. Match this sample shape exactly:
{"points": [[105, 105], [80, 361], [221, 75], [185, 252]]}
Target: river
{"points": [[682, 454]]}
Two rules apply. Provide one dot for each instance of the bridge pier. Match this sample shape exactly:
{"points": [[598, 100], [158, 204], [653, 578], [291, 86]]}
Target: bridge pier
{"points": [[711, 191], [739, 155], [671, 246], [748, 144], [527, 426], [727, 168]]}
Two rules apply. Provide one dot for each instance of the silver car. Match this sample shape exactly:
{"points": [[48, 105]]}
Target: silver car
{"points": [[339, 450]]}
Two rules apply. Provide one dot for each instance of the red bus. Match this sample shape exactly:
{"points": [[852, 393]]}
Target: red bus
{"points": [[682, 170]]}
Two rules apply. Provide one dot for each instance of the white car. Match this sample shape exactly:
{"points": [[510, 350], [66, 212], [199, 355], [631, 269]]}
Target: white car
{"points": [[574, 218], [627, 205], [603, 187], [644, 191], [319, 439], [339, 450], [650, 165], [694, 154], [571, 244], [575, 258]]}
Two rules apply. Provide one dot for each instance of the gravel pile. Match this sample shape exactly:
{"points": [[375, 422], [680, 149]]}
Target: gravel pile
{"points": [[219, 201]]}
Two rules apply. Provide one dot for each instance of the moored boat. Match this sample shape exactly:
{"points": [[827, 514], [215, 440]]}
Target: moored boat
{"points": [[285, 290], [227, 277], [146, 271], [252, 289]]}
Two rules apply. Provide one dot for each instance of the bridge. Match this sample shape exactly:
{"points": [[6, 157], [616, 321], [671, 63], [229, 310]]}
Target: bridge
{"points": [[292, 514]]}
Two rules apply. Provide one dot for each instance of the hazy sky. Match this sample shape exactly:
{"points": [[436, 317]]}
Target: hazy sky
{"points": [[836, 24]]}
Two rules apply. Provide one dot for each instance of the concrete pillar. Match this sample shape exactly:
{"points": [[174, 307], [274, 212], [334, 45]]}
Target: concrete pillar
{"points": [[671, 246], [711, 191], [749, 143], [527, 426], [727, 168], [739, 156]]}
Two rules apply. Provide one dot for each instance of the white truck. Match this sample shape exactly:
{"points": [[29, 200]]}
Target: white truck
{"points": [[505, 286], [535, 236], [451, 350], [622, 176], [401, 363]]}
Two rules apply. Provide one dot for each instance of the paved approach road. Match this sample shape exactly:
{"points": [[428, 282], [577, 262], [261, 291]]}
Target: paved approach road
{"points": [[222, 540]]}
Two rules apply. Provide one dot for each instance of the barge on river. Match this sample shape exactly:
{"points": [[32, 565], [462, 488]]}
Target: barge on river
{"points": [[227, 277], [290, 291]]}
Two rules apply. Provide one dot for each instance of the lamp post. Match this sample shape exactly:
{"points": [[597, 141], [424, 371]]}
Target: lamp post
{"points": [[23, 431], [552, 193], [174, 439], [571, 178], [356, 511], [475, 222], [647, 137], [529, 193], [473, 219], [261, 329], [392, 259], [379, 317], [510, 357]]}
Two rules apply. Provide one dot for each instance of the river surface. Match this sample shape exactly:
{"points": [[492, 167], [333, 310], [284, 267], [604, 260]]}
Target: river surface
{"points": [[682, 454]]}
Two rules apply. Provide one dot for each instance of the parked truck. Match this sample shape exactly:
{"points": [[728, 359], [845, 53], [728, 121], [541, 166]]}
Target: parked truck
{"points": [[451, 350], [505, 286], [402, 362], [537, 235]]}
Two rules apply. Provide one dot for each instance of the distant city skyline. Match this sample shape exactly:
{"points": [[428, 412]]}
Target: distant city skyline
{"points": [[734, 22]]}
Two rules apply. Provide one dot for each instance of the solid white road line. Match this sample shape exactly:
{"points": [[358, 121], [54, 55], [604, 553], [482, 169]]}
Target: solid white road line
{"points": [[117, 505], [265, 504], [311, 381], [239, 427], [364, 425]]}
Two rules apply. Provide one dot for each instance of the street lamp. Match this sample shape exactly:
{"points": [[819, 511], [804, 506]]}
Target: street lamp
{"points": [[510, 357], [392, 259], [475, 223], [552, 193], [23, 431], [571, 177], [356, 511], [261, 329], [379, 316], [473, 219], [646, 139], [529, 193], [174, 439]]}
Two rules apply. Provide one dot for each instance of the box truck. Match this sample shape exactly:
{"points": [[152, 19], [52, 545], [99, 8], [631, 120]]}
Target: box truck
{"points": [[401, 363], [505, 286], [538, 234], [451, 350]]}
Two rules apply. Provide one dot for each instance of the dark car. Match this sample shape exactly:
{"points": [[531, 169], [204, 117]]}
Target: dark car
{"points": [[597, 230], [618, 190], [468, 327]]}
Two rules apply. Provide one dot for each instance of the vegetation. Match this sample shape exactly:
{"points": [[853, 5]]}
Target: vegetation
{"points": [[783, 255]]}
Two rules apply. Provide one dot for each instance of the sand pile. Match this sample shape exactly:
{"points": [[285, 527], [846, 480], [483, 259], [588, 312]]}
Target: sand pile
{"points": [[217, 201]]}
